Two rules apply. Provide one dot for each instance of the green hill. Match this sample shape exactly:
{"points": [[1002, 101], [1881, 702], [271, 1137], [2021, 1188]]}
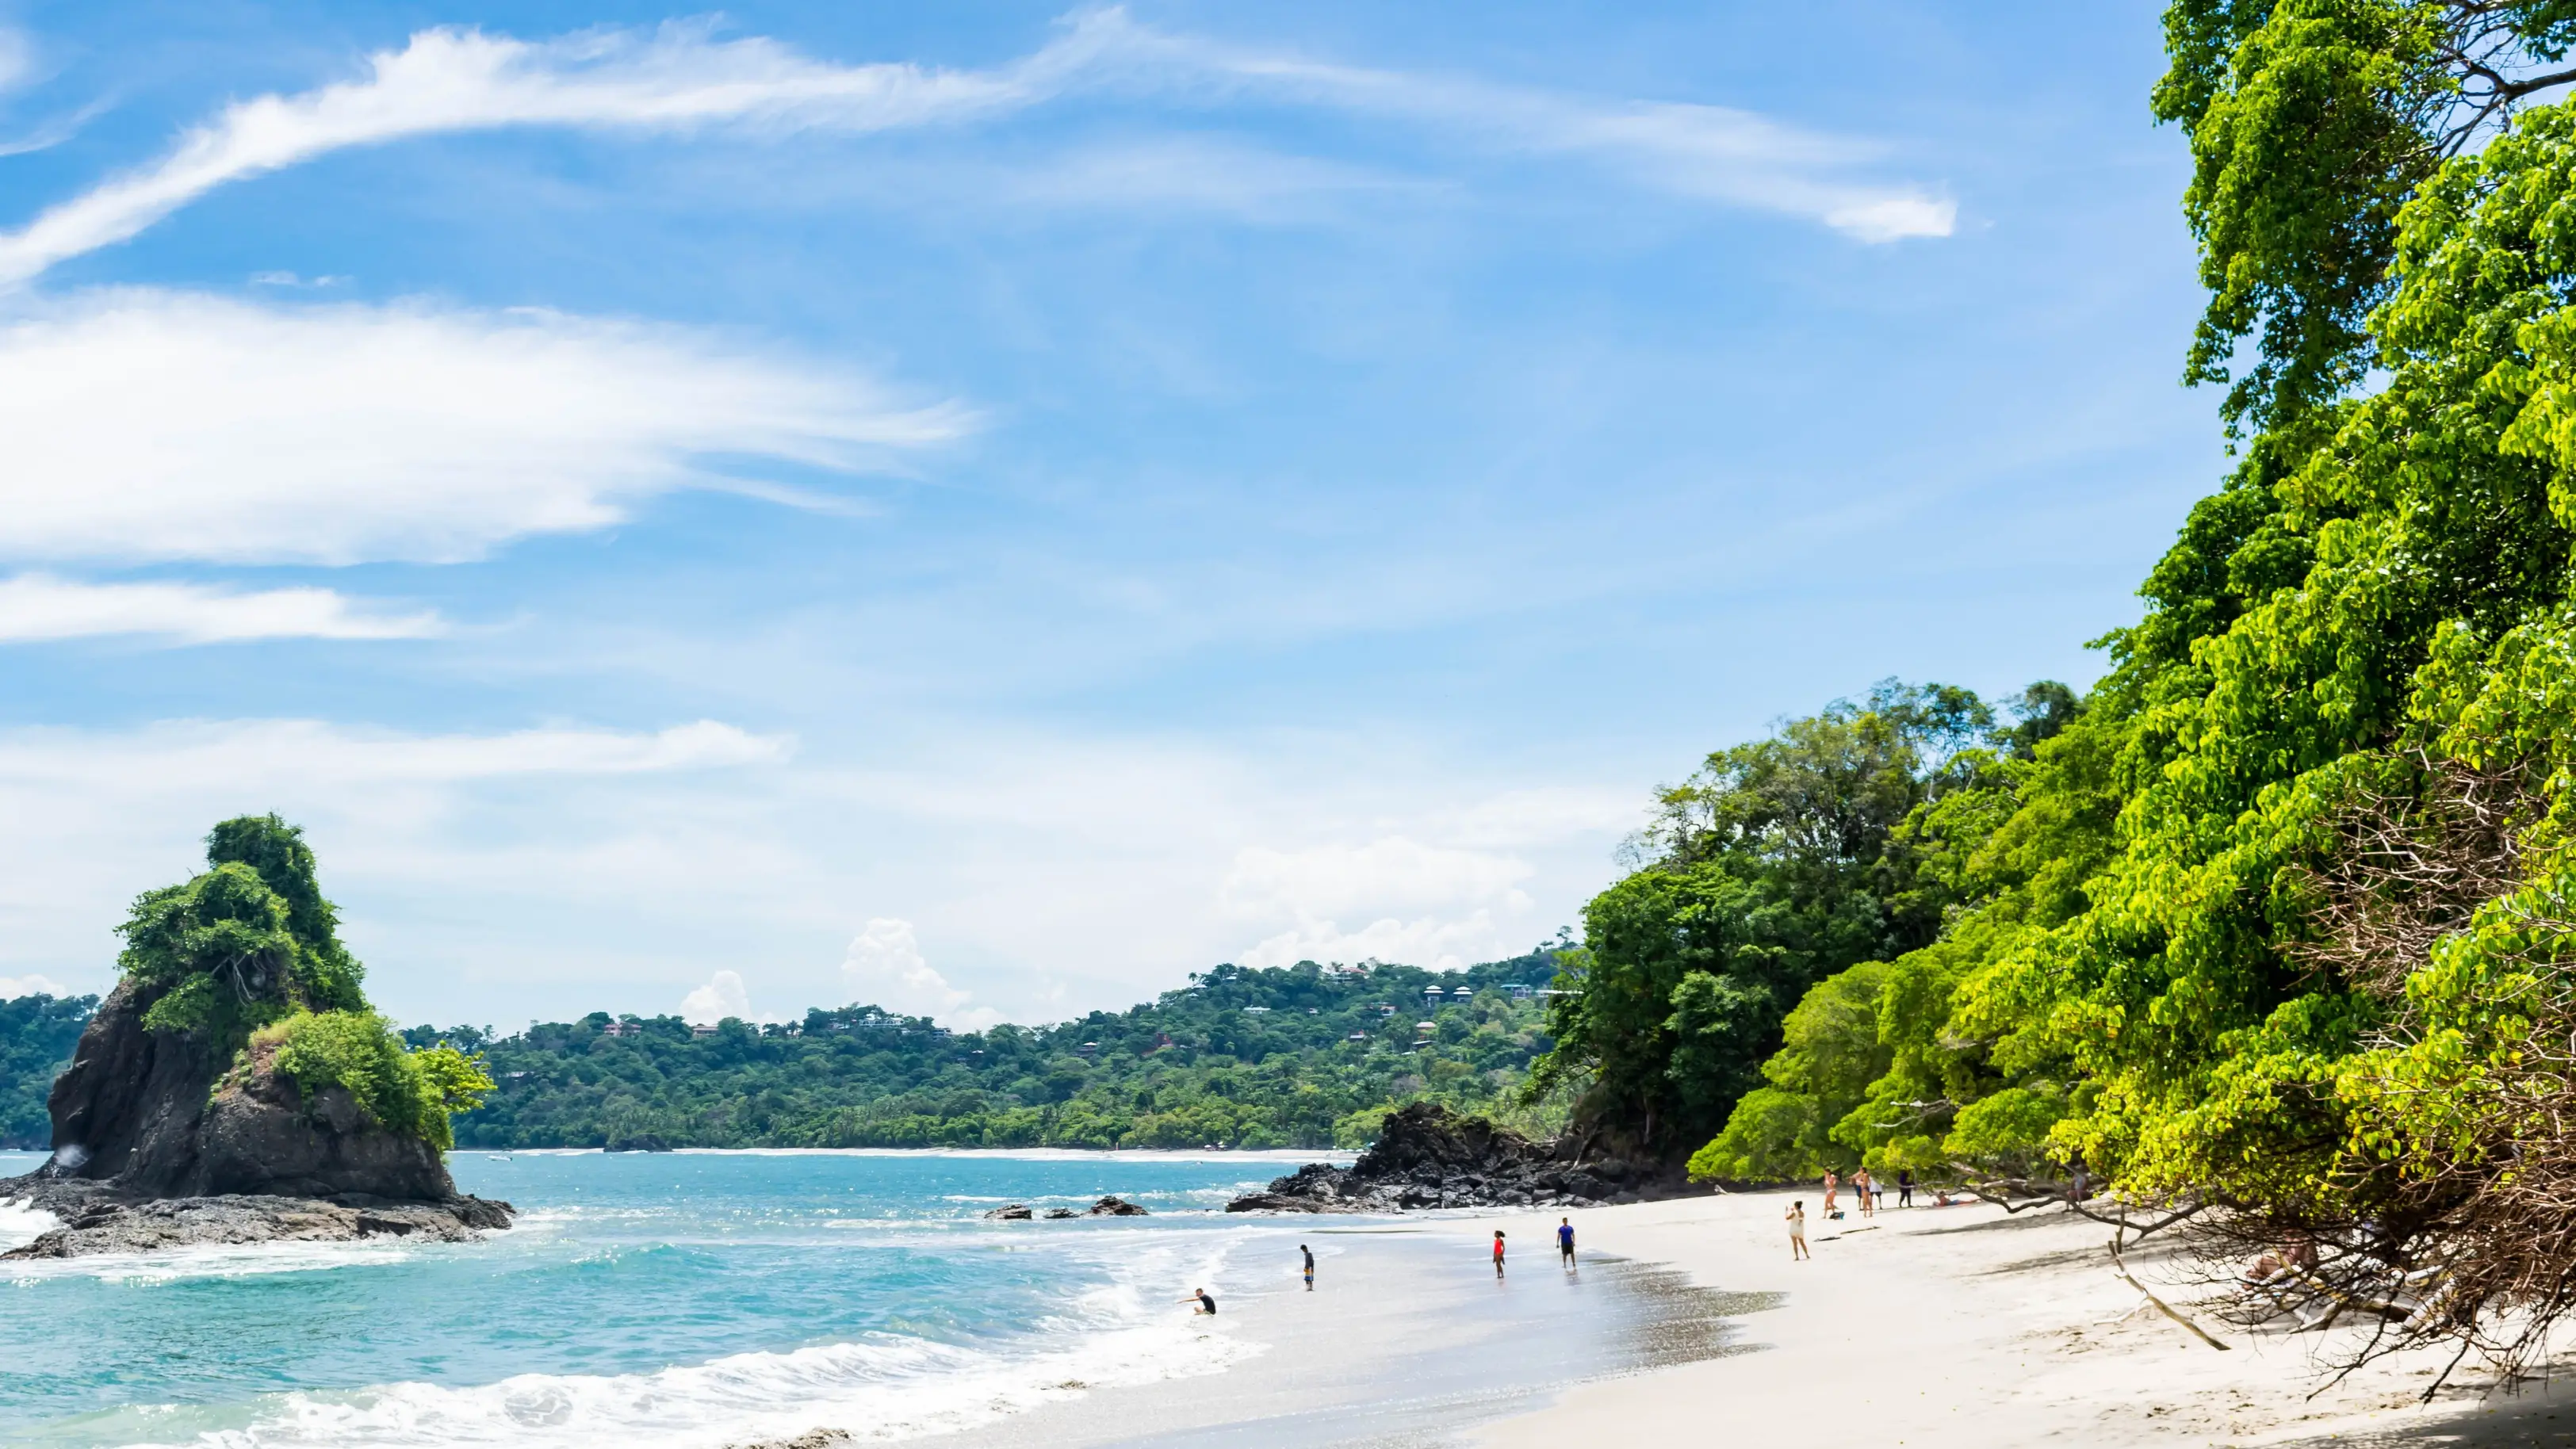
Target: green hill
{"points": [[36, 1038], [1301, 1056]]}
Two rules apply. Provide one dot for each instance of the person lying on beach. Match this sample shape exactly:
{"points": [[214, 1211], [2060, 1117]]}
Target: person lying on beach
{"points": [[1205, 1304]]}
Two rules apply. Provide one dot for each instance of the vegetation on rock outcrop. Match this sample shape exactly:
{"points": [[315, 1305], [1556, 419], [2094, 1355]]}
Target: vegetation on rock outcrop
{"points": [[246, 958]]}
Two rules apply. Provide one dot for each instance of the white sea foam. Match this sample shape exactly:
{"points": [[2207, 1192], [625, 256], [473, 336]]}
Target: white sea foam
{"points": [[883, 1387], [244, 1260], [21, 1224]]}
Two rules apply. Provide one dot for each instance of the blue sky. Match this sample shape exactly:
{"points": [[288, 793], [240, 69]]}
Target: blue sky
{"points": [[990, 507]]}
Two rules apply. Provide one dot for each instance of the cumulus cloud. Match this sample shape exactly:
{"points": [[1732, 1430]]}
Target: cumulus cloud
{"points": [[149, 425], [1433, 942], [681, 78], [885, 968], [37, 607], [1435, 906], [722, 996], [13, 987]]}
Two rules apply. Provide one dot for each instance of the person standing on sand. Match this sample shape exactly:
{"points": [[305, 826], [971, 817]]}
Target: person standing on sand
{"points": [[1498, 1252], [1565, 1241], [1861, 1189], [1831, 1183], [1797, 1216], [1905, 1187], [1310, 1266]]}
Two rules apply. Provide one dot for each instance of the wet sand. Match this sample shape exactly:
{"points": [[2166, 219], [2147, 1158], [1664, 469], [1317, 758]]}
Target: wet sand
{"points": [[1407, 1339]]}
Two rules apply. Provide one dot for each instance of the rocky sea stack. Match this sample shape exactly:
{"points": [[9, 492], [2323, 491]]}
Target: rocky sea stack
{"points": [[236, 1088], [1428, 1157]]}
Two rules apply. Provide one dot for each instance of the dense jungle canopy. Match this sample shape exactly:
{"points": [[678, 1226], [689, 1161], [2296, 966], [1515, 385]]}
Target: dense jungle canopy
{"points": [[2276, 917]]}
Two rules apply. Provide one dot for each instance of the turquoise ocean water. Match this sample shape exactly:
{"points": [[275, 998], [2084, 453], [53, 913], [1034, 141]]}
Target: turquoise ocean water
{"points": [[645, 1300]]}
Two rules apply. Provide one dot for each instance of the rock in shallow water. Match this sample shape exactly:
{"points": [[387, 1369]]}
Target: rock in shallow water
{"points": [[156, 1146], [97, 1221], [1426, 1157]]}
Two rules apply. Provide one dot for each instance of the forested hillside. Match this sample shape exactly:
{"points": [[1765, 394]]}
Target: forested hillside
{"points": [[1304, 1056], [36, 1038], [2278, 919]]}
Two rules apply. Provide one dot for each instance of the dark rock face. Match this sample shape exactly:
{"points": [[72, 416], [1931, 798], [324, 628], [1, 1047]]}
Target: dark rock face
{"points": [[1425, 1157], [1115, 1207], [149, 1152], [1015, 1213], [134, 1112]]}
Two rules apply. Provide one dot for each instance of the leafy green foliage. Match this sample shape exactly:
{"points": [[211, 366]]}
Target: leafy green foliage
{"points": [[412, 1092], [247, 957], [2312, 123], [1258, 1058], [1843, 838], [37, 1034]]}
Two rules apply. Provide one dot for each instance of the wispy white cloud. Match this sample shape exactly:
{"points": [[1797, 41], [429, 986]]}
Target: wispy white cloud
{"points": [[1389, 873], [17, 58], [448, 80], [1716, 153], [1195, 173], [684, 79], [36, 607], [149, 425], [260, 754]]}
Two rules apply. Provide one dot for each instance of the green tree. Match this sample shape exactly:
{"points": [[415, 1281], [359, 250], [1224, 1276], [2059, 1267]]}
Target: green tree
{"points": [[1781, 862], [247, 958], [2312, 123]]}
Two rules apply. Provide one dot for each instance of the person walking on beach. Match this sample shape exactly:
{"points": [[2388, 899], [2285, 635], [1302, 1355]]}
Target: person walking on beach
{"points": [[1498, 1252], [1832, 1183], [1310, 1266], [1862, 1188], [1905, 1187], [1205, 1304], [1565, 1241], [1797, 1216]]}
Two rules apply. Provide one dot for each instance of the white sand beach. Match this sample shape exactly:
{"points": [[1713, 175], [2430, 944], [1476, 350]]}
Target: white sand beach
{"points": [[1935, 1327]]}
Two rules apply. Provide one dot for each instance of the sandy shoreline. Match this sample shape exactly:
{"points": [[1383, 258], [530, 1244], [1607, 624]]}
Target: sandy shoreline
{"points": [[1962, 1326]]}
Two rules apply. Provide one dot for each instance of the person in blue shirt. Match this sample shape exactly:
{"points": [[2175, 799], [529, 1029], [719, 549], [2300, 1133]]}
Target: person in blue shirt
{"points": [[1565, 1241]]}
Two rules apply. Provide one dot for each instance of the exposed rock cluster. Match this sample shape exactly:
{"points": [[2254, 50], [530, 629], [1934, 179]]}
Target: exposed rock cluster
{"points": [[1426, 1157], [95, 1221], [1107, 1207]]}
